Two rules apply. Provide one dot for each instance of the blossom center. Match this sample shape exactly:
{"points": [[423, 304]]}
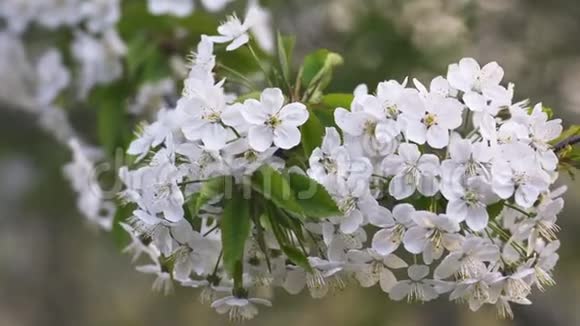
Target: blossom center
{"points": [[273, 121], [369, 127], [430, 119], [391, 110]]}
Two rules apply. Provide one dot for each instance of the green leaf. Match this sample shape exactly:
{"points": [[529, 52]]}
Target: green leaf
{"points": [[252, 95], [494, 210], [573, 130], [312, 133], [112, 123], [123, 213], [235, 226], [274, 187], [297, 257], [317, 69], [315, 201], [285, 49], [139, 49], [209, 190], [337, 100]]}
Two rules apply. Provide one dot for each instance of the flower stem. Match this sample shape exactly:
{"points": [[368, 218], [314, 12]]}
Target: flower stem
{"points": [[246, 82], [517, 209], [259, 63]]}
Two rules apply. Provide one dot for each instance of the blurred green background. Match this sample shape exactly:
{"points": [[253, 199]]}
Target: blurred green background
{"points": [[57, 270]]}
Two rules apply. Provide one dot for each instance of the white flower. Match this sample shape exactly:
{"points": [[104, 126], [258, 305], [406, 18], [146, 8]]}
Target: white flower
{"points": [[239, 309], [202, 162], [521, 175], [272, 121], [261, 28], [52, 77], [469, 259], [387, 240], [374, 119], [99, 58], [204, 57], [432, 121], [543, 224], [163, 282], [215, 5], [323, 277], [136, 248], [468, 76], [100, 15], [81, 174], [159, 191], [357, 205], [467, 160], [207, 116], [432, 234], [546, 261], [542, 131], [243, 160], [484, 287], [178, 8], [154, 134], [339, 243], [372, 268], [234, 31], [470, 203], [411, 171], [417, 288]]}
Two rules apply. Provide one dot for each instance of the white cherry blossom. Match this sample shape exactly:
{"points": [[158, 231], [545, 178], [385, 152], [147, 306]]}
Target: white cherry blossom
{"points": [[412, 171], [417, 288], [272, 121]]}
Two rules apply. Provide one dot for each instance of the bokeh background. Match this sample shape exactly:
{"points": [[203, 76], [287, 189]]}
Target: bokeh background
{"points": [[57, 270]]}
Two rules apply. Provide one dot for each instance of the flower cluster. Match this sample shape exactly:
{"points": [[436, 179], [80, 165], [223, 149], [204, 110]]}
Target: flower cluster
{"points": [[466, 174], [424, 191], [89, 53]]}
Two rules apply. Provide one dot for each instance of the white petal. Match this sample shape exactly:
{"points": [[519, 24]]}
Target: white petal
{"points": [[415, 239], [409, 152], [383, 242], [428, 164], [448, 266], [437, 136], [254, 112], [381, 217], [273, 99], [401, 187], [238, 41], [294, 114], [428, 185], [352, 222], [394, 262], [418, 272], [477, 218], [260, 138], [415, 131], [295, 281], [214, 136], [387, 280], [286, 136], [387, 130], [392, 164], [402, 213], [492, 73], [400, 291], [457, 210], [350, 122]]}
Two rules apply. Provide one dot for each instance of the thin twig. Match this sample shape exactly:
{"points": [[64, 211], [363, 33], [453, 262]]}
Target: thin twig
{"points": [[568, 141]]}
